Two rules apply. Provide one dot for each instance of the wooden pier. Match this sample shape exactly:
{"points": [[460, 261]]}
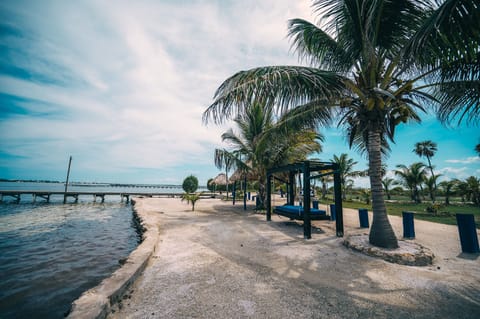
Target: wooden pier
{"points": [[45, 195]]}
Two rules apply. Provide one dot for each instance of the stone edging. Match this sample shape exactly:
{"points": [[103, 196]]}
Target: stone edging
{"points": [[97, 302], [409, 253]]}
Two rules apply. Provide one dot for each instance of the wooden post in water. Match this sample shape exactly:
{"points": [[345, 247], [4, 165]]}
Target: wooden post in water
{"points": [[66, 183]]}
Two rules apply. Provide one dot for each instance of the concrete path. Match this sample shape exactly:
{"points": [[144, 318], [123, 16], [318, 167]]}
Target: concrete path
{"points": [[222, 262]]}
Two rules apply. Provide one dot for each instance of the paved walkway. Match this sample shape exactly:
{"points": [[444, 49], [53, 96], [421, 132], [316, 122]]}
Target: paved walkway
{"points": [[222, 262]]}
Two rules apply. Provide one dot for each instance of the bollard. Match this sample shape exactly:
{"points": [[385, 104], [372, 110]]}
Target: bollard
{"points": [[253, 198], [333, 214], [468, 233], [363, 216], [315, 204], [248, 195], [408, 225]]}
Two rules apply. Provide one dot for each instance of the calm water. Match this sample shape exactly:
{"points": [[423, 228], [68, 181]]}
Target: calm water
{"points": [[50, 252]]}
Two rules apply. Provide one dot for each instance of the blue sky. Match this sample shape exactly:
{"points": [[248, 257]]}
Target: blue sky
{"points": [[121, 87]]}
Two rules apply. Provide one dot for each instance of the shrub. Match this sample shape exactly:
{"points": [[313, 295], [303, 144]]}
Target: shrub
{"points": [[434, 208]]}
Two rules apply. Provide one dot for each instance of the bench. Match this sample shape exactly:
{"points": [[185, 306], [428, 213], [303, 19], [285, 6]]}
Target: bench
{"points": [[296, 212]]}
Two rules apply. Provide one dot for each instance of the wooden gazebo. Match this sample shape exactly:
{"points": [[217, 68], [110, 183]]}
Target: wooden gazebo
{"points": [[304, 211]]}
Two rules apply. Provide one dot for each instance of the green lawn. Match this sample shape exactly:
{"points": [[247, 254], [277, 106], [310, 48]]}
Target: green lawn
{"points": [[445, 215]]}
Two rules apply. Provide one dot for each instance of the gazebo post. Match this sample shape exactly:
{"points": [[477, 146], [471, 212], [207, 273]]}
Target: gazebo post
{"points": [[307, 225], [338, 203], [245, 192], [291, 181], [269, 197], [234, 192]]}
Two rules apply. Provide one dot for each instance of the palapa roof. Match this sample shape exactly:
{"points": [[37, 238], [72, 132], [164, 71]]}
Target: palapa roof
{"points": [[221, 179]]}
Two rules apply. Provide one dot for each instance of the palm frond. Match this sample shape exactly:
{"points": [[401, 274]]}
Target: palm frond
{"points": [[282, 86], [448, 32], [317, 48], [460, 101]]}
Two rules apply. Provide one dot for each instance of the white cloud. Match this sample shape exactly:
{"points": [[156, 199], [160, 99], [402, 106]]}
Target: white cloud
{"points": [[454, 172], [468, 160], [129, 82]]}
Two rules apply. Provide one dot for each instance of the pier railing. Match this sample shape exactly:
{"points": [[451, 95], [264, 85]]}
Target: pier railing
{"points": [[16, 194]]}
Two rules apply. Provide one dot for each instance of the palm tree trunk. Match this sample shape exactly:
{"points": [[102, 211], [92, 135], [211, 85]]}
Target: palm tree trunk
{"points": [[381, 233], [226, 177], [434, 181]]}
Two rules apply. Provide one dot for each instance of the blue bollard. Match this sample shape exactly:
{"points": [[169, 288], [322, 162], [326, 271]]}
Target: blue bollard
{"points": [[333, 214], [315, 204], [248, 195], [468, 233], [363, 216], [408, 225]]}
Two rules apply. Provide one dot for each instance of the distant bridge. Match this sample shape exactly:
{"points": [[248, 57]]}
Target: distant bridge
{"points": [[16, 194]]}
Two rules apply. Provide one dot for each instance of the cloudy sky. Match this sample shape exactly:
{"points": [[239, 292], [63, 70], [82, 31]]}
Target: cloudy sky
{"points": [[121, 87]]}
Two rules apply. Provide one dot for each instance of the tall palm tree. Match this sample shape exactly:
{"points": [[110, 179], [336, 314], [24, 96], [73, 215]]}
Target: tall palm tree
{"points": [[264, 141], [373, 65], [412, 177], [427, 149], [345, 168]]}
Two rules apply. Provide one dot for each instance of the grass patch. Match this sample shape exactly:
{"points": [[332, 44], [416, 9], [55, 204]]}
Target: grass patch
{"points": [[445, 215]]}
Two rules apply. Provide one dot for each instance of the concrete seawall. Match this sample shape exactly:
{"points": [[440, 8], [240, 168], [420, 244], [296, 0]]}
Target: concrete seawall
{"points": [[97, 302]]}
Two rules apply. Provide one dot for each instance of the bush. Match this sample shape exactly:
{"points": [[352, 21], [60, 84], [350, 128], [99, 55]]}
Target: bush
{"points": [[210, 185], [190, 184], [434, 208]]}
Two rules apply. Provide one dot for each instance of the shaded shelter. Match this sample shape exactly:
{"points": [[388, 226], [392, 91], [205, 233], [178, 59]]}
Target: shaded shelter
{"points": [[241, 175], [305, 212], [220, 179]]}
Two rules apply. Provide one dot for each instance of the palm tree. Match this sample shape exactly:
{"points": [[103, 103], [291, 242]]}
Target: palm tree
{"points": [[345, 169], [477, 149], [412, 177], [461, 187], [373, 65], [224, 160], [365, 194], [427, 149], [387, 182], [447, 187], [431, 183], [473, 189], [264, 142], [191, 198]]}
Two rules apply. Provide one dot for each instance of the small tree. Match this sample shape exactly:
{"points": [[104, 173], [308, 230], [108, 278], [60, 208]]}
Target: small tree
{"points": [[447, 187], [190, 184], [191, 199], [387, 183]]}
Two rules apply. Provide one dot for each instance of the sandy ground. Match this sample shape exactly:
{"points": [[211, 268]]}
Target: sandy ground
{"points": [[223, 262]]}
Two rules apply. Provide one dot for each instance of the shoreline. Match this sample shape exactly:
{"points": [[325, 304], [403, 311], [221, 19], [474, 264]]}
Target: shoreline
{"points": [[98, 301]]}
